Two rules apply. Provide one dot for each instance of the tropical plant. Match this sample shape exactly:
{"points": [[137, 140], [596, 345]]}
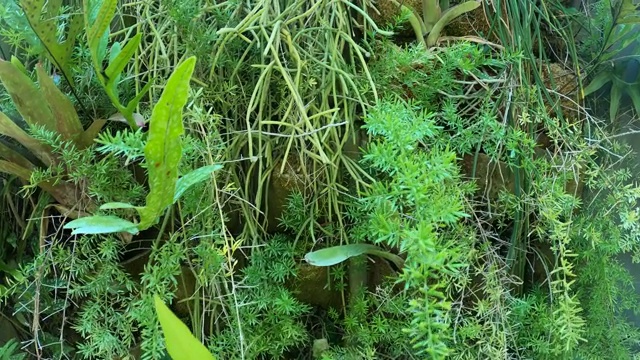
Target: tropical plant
{"points": [[436, 14], [49, 109], [619, 26], [181, 344]]}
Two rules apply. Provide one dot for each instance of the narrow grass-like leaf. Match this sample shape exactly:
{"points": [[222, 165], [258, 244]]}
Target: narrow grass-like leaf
{"points": [[180, 342], [163, 150], [196, 176], [101, 224]]}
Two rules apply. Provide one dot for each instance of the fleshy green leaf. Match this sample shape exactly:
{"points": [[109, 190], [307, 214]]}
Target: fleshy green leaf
{"points": [[163, 150], [337, 254], [599, 81], [13, 156], [29, 100], [192, 178], [116, 205], [14, 169], [88, 136], [449, 16], [18, 64], [616, 96], [101, 224], [180, 342], [10, 129], [634, 94], [66, 119]]}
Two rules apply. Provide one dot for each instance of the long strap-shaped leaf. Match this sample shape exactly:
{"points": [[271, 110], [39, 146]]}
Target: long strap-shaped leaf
{"points": [[10, 129], [164, 145], [66, 118], [29, 100], [46, 29], [97, 28], [13, 156]]}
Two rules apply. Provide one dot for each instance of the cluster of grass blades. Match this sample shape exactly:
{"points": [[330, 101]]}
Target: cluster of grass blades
{"points": [[302, 109]]}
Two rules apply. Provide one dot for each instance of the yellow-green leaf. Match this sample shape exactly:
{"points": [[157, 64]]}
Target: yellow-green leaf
{"points": [[628, 13], [180, 342], [163, 150]]}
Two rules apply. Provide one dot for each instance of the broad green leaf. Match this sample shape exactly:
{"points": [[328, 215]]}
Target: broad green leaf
{"points": [[29, 100], [66, 119], [180, 342], [192, 178], [10, 129], [116, 205], [163, 150], [101, 224], [46, 30], [337, 254]]}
